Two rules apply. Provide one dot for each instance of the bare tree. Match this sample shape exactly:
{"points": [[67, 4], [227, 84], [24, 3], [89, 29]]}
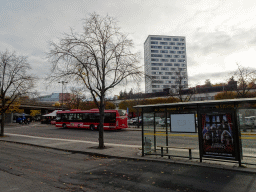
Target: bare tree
{"points": [[76, 98], [14, 80], [100, 58], [244, 76], [180, 90]]}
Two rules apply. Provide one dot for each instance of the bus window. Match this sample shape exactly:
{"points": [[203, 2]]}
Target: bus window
{"points": [[94, 117], [78, 116], [64, 117], [71, 116], [86, 117], [110, 118]]}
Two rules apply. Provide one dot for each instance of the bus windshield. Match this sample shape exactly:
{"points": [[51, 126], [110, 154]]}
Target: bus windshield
{"points": [[122, 112]]}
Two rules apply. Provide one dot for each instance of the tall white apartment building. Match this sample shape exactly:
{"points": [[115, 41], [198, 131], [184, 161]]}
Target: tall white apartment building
{"points": [[165, 63]]}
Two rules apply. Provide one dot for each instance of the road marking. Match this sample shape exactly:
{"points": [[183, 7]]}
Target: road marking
{"points": [[70, 140]]}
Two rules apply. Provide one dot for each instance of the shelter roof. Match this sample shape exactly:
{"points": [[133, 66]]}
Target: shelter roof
{"points": [[200, 103]]}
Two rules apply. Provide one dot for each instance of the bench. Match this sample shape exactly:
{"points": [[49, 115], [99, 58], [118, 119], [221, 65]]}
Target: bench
{"points": [[189, 150]]}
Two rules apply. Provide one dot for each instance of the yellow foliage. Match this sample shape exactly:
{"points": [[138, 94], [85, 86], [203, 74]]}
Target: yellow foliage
{"points": [[14, 108], [57, 104], [35, 112], [225, 95]]}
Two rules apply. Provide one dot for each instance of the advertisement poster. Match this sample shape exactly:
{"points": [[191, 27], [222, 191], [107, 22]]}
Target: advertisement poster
{"points": [[217, 136]]}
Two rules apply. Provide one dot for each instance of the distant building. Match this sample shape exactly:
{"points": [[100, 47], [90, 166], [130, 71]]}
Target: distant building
{"points": [[165, 61], [55, 97]]}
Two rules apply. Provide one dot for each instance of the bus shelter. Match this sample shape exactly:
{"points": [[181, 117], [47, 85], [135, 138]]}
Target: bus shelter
{"points": [[215, 129]]}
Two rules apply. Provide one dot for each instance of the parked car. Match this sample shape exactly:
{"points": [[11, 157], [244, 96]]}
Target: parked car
{"points": [[162, 122], [250, 121], [133, 121]]}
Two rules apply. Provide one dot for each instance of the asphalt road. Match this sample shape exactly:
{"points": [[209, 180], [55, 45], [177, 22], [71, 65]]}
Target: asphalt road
{"points": [[28, 168], [118, 137], [46, 130], [123, 136]]}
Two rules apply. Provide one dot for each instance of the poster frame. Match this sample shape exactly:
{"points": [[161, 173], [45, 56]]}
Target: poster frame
{"points": [[235, 133], [185, 113]]}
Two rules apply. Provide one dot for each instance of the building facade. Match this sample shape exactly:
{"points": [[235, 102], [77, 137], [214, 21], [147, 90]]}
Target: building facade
{"points": [[55, 97], [165, 63]]}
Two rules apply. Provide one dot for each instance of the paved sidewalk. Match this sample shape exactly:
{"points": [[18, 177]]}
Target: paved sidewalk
{"points": [[114, 150]]}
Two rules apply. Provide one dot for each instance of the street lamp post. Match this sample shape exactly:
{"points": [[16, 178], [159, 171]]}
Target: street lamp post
{"points": [[62, 82]]}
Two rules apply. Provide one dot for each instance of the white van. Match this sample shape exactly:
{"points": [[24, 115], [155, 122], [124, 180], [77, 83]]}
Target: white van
{"points": [[250, 121]]}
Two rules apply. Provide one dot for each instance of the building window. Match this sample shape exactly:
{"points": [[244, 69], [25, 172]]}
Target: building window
{"points": [[181, 60], [173, 52], [173, 77], [183, 56], [167, 47], [176, 64], [168, 73], [156, 64], [182, 39], [180, 52], [164, 68], [164, 77], [164, 51], [172, 60], [164, 60], [168, 81], [177, 48], [163, 43], [156, 47], [167, 39], [154, 42], [155, 77], [168, 64], [154, 68], [172, 43], [168, 56], [153, 73], [157, 81], [154, 51], [160, 73], [182, 48], [156, 38], [173, 69], [154, 59], [183, 65], [175, 39], [176, 56], [156, 55], [155, 86]]}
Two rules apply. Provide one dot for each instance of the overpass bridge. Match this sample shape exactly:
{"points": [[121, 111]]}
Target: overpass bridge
{"points": [[43, 107]]}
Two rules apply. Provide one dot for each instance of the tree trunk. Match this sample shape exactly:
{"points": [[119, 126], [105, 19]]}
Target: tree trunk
{"points": [[101, 129]]}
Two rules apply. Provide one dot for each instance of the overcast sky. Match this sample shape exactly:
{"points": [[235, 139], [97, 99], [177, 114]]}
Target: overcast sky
{"points": [[219, 34]]}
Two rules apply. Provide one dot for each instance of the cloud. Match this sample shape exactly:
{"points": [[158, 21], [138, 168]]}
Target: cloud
{"points": [[218, 33]]}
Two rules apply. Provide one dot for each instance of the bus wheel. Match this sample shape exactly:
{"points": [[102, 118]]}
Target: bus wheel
{"points": [[64, 125], [92, 127]]}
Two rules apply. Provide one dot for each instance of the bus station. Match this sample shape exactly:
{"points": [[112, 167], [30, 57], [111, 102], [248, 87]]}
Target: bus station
{"points": [[216, 130]]}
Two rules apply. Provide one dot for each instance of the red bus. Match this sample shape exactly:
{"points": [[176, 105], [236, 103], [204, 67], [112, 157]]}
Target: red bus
{"points": [[89, 119]]}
